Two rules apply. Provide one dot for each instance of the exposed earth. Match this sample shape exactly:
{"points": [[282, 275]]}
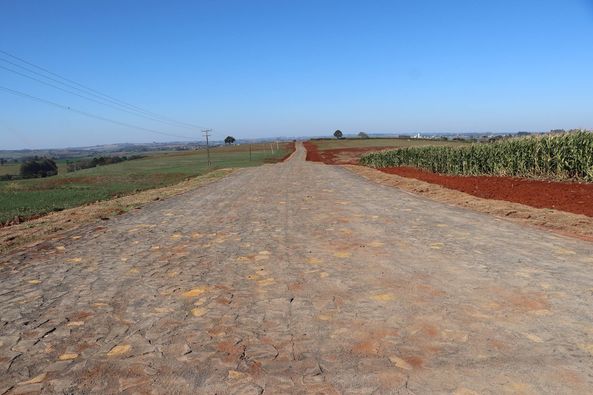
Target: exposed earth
{"points": [[299, 277]]}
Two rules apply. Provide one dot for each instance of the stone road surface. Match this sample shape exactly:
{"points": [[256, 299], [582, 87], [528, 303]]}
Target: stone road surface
{"points": [[299, 278]]}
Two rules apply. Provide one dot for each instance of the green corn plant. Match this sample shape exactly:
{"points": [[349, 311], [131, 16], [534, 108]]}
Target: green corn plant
{"points": [[567, 156]]}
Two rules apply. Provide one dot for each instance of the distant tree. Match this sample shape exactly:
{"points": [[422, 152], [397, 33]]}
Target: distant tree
{"points": [[363, 135], [338, 134], [38, 167], [3, 161], [229, 140]]}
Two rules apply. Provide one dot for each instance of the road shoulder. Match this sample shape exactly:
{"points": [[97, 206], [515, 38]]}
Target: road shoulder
{"points": [[561, 222]]}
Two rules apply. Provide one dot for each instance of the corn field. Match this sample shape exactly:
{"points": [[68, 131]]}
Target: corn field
{"points": [[566, 156]]}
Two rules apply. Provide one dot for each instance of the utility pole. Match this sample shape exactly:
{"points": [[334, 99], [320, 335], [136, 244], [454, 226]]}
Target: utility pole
{"points": [[249, 152], [206, 134]]}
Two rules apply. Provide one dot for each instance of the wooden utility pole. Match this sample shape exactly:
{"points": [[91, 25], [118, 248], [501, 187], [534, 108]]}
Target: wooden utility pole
{"points": [[249, 152], [206, 134]]}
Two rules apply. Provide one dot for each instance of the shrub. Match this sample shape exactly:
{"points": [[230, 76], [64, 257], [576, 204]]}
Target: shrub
{"points": [[38, 167]]}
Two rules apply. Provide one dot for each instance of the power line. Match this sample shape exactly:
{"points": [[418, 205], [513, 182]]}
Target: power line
{"points": [[87, 114], [91, 91], [85, 97]]}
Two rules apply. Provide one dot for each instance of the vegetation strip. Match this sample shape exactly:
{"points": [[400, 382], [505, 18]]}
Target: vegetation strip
{"points": [[29, 198], [566, 156], [55, 225]]}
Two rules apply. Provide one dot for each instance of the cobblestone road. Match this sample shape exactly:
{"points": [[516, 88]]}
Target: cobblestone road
{"points": [[299, 278]]}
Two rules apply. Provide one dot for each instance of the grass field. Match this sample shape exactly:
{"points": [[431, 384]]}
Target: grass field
{"points": [[32, 197]]}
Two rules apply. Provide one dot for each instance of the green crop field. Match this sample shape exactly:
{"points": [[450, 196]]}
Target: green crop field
{"points": [[31, 197], [567, 156]]}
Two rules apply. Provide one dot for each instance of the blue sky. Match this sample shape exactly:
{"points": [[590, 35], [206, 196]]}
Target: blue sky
{"points": [[271, 68]]}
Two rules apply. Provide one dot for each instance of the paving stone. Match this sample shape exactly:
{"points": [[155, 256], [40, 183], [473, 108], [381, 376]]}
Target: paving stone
{"points": [[298, 278]]}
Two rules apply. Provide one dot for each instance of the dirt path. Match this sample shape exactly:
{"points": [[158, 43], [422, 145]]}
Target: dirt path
{"points": [[299, 278]]}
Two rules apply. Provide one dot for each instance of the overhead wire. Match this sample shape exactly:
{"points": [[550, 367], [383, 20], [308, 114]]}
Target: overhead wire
{"points": [[88, 114], [85, 97], [92, 92]]}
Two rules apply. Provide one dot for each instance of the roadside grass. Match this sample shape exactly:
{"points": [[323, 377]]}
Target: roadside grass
{"points": [[35, 197]]}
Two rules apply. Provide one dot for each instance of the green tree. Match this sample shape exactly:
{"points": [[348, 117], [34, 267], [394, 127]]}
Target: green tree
{"points": [[338, 134], [38, 167], [363, 135], [229, 140]]}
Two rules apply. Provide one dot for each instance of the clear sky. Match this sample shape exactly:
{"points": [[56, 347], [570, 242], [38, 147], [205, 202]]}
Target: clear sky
{"points": [[285, 68]]}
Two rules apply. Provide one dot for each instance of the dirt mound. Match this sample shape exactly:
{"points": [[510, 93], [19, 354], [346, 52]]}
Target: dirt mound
{"points": [[571, 197]]}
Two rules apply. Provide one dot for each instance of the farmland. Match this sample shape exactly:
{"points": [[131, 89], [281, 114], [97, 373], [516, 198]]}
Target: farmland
{"points": [[348, 151], [567, 156], [34, 197], [551, 171]]}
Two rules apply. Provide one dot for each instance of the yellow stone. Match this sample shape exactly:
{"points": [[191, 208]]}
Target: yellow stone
{"points": [[134, 270], [60, 248], [324, 317], [198, 311], [176, 236], [35, 380], [533, 338], [75, 323], [386, 297], [587, 347], [564, 251], [74, 260], [314, 261], [400, 363], [437, 246], [376, 244], [34, 281], [236, 375], [194, 292], [323, 274], [342, 254], [265, 282], [119, 350], [67, 356]]}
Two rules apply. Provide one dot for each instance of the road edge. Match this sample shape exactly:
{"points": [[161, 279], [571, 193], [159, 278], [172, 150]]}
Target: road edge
{"points": [[560, 222]]}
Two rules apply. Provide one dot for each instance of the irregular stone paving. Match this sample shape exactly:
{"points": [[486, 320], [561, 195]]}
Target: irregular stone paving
{"points": [[299, 278]]}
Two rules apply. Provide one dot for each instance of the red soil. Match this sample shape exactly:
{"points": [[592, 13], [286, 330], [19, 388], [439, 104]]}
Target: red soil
{"points": [[571, 197], [337, 156]]}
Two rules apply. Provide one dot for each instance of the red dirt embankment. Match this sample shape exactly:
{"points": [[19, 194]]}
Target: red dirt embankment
{"points": [[570, 197], [337, 156]]}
